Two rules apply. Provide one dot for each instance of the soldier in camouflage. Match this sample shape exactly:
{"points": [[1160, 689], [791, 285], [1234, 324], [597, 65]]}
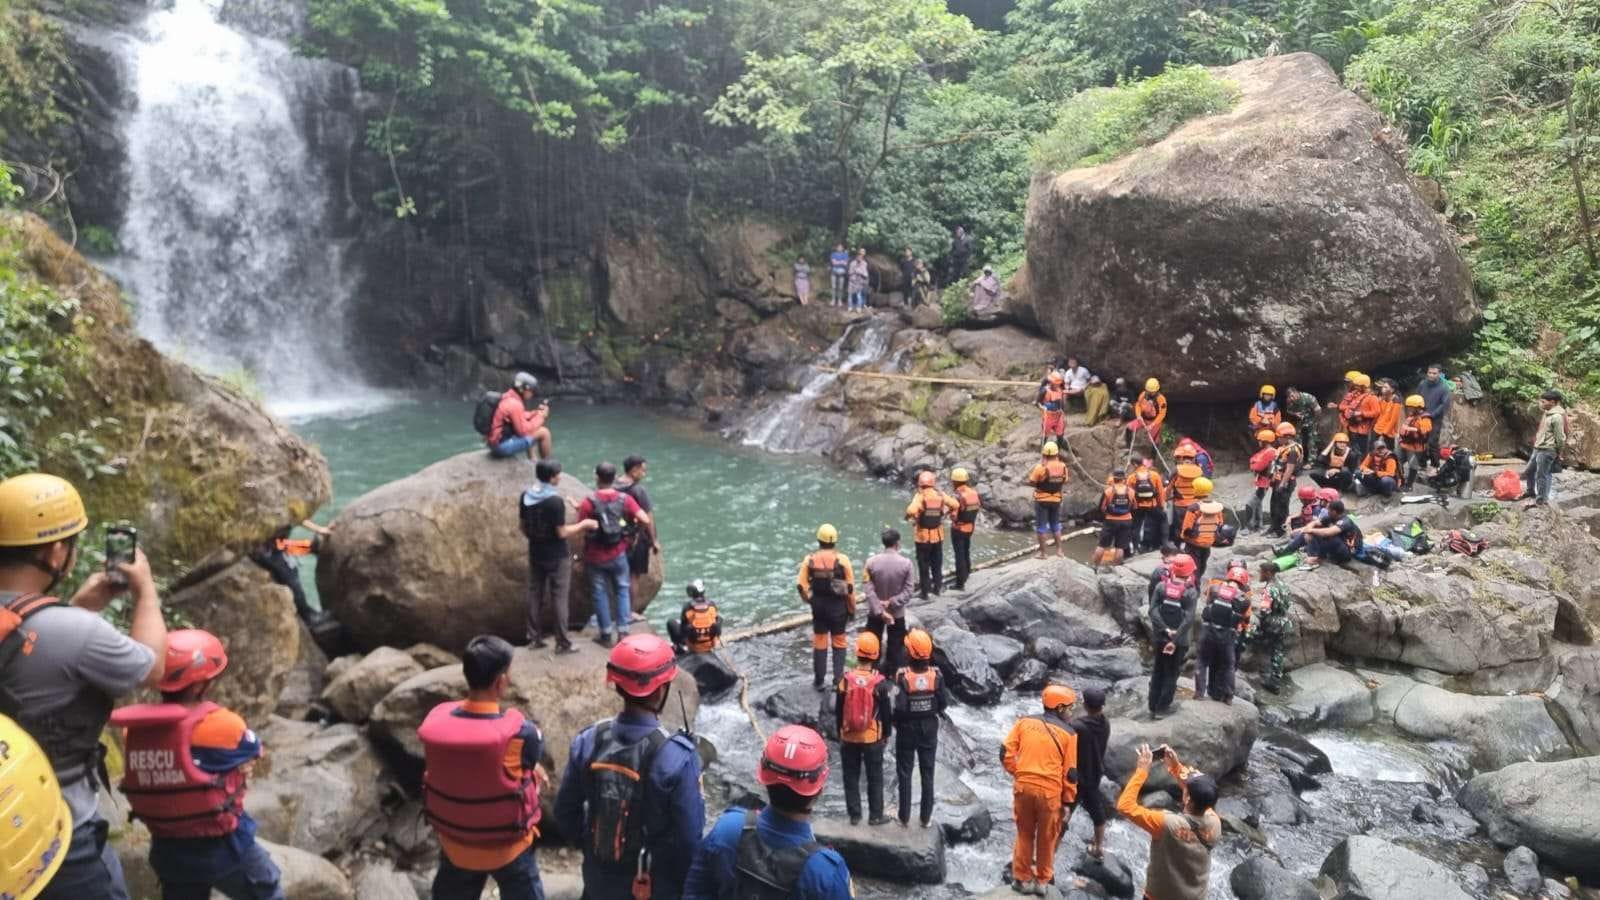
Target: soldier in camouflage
{"points": [[1302, 409], [1271, 626]]}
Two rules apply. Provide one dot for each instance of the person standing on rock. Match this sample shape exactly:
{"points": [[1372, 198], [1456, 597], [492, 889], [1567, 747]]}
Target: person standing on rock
{"points": [[772, 854], [481, 787], [838, 272], [927, 512], [76, 664], [968, 504], [922, 285], [1116, 532], [1048, 479], [861, 715], [908, 275], [542, 514], [605, 552], [1358, 412], [802, 281], [1150, 411], [1041, 755], [1285, 472], [960, 254], [1416, 431], [1149, 506], [1254, 516], [1052, 403], [888, 592], [1172, 603], [860, 279], [641, 535], [919, 700], [1301, 410], [1202, 525], [516, 429], [1265, 413], [1180, 842], [1227, 604], [1549, 442], [1435, 391], [1386, 426], [828, 585], [1270, 625], [1185, 471], [1094, 733], [630, 790]]}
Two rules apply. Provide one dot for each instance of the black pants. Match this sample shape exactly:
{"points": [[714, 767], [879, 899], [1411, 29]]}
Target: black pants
{"points": [[1216, 657], [961, 543], [1149, 527], [1118, 535], [852, 756], [1164, 678], [916, 743], [891, 640], [1093, 801], [930, 568], [1339, 480], [1360, 444], [830, 619], [1278, 510], [1201, 557], [548, 589], [282, 572], [1434, 437]]}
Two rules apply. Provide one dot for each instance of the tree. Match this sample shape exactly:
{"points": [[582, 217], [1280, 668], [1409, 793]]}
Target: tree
{"points": [[851, 67]]}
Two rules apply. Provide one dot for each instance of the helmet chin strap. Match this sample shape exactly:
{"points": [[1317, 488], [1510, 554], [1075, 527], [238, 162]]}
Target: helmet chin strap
{"points": [[56, 574]]}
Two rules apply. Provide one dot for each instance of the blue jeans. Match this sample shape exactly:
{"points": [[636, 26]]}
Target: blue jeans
{"points": [[91, 870], [517, 880], [256, 878], [858, 299], [608, 582], [1047, 517], [517, 446], [1537, 474]]}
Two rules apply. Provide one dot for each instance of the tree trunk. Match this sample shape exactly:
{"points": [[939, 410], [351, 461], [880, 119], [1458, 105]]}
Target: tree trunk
{"points": [[1575, 162]]}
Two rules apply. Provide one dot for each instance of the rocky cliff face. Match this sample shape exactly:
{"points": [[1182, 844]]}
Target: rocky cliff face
{"points": [[1274, 243]]}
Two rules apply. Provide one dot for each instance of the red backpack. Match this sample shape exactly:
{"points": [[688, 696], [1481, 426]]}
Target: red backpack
{"points": [[1507, 486], [860, 707]]}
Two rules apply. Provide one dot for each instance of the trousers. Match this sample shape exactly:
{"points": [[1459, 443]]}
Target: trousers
{"points": [[916, 743], [1164, 678], [256, 878], [892, 641], [930, 568], [1278, 515], [853, 757], [1214, 666], [1149, 527], [548, 587], [608, 584], [1038, 820], [517, 880], [961, 544]]}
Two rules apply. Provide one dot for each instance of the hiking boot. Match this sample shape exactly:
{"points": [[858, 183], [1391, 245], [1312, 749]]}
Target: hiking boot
{"points": [[1022, 887], [855, 818], [879, 819], [605, 639], [564, 649], [537, 644], [926, 821], [1040, 889]]}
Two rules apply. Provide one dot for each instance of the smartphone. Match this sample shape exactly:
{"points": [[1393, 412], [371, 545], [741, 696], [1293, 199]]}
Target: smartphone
{"points": [[121, 542], [1159, 753]]}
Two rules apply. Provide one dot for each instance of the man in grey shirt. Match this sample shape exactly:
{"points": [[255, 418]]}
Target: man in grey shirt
{"points": [[74, 664], [888, 591]]}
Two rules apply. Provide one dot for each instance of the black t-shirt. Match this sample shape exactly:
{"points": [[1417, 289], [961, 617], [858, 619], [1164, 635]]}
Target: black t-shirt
{"points": [[1350, 532], [639, 495], [541, 520]]}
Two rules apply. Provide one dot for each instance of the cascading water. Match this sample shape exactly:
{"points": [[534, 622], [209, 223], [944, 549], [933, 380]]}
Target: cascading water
{"points": [[782, 427], [228, 253]]}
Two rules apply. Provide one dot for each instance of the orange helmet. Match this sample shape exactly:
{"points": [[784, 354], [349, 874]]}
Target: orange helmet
{"points": [[1341, 438], [193, 656], [867, 645], [1185, 450], [1285, 429], [1181, 565], [1055, 695], [926, 479], [919, 644], [1056, 376], [1265, 435]]}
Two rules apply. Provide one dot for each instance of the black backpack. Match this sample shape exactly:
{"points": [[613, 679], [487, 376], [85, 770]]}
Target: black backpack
{"points": [[1412, 538], [762, 872], [613, 787], [540, 526], [610, 515], [483, 412]]}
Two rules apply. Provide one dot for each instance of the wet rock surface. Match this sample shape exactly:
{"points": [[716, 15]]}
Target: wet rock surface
{"points": [[1366, 868], [1547, 806]]}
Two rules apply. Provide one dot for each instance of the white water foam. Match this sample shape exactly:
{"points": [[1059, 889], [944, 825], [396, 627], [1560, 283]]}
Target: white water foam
{"points": [[781, 425]]}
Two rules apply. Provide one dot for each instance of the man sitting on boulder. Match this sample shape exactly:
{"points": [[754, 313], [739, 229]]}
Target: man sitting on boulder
{"points": [[1336, 464], [698, 627], [1339, 540], [516, 428], [1380, 471]]}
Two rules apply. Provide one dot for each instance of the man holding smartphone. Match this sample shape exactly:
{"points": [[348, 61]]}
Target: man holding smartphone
{"points": [[519, 424], [1180, 842], [62, 666]]}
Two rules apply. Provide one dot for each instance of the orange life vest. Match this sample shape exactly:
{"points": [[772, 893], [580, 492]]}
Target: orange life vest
{"points": [[1146, 488], [932, 515], [1414, 432], [967, 515], [1264, 416], [1200, 527], [1337, 457], [295, 547], [169, 793], [921, 690], [1118, 503], [1048, 489], [702, 622], [1183, 484], [467, 794], [827, 573]]}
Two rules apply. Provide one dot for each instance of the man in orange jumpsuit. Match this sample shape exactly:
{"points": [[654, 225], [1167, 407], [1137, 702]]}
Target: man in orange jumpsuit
{"points": [[1041, 754]]}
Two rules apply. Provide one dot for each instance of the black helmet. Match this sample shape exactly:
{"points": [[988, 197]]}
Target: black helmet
{"points": [[525, 380], [696, 589]]}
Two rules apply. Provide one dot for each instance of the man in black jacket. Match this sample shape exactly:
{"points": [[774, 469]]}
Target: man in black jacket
{"points": [[1094, 732]]}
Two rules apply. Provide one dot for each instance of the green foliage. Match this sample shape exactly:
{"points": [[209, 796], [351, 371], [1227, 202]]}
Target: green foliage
{"points": [[32, 63], [98, 240], [953, 306], [1104, 123]]}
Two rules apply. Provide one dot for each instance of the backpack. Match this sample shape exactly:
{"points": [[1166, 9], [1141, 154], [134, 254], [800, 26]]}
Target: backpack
{"points": [[12, 638], [1466, 543], [1412, 538], [610, 514], [762, 872], [1507, 486], [614, 783], [483, 412], [860, 705], [537, 523], [1202, 458]]}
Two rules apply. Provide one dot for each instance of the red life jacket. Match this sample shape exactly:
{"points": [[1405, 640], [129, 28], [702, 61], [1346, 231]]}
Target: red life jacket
{"points": [[172, 796], [467, 793]]}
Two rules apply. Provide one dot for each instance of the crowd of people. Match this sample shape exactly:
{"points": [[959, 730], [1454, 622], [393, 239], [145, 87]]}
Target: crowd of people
{"points": [[851, 278]]}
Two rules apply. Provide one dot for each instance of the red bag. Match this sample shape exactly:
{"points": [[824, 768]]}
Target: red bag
{"points": [[1507, 485]]}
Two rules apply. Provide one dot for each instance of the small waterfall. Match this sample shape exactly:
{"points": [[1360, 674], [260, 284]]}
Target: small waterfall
{"points": [[781, 426], [228, 252]]}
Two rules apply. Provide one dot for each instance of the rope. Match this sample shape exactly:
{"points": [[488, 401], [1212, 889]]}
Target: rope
{"points": [[744, 694], [926, 379]]}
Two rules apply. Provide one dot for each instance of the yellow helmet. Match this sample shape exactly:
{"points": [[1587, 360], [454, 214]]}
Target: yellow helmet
{"points": [[1415, 401], [37, 823], [1266, 434], [958, 475], [1352, 376], [827, 534], [1202, 486], [1151, 385], [1268, 390], [1363, 380], [39, 509], [1051, 449]]}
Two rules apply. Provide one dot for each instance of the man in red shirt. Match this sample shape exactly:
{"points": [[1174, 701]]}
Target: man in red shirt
{"points": [[517, 428], [605, 551]]}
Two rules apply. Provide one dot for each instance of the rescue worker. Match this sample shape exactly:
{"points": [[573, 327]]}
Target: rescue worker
{"points": [[1202, 525], [42, 823], [828, 585], [628, 777], [1150, 411], [1271, 627], [1307, 495], [861, 713], [542, 516], [888, 591], [1265, 412], [1336, 465], [698, 627], [1200, 455], [62, 690], [187, 761], [1041, 755], [1380, 471], [1416, 431], [605, 552], [1172, 603], [772, 854], [1184, 472], [926, 513], [1052, 403], [280, 556], [1301, 410], [1048, 479], [1180, 842], [968, 505], [517, 429], [1226, 607], [1387, 425], [1094, 733], [919, 700], [1285, 472], [1149, 506], [1358, 412], [1116, 534], [480, 790], [1261, 463]]}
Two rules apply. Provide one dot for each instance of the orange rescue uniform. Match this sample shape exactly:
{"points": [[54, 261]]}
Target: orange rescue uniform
{"points": [[1388, 420], [1048, 478], [1414, 432], [1041, 754], [927, 511], [967, 505], [1386, 467]]}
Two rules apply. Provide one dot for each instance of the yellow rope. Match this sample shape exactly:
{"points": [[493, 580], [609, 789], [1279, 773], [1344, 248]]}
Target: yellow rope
{"points": [[927, 379]]}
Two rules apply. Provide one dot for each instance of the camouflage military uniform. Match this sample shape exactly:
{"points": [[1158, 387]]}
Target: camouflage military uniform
{"points": [[1303, 413], [1272, 630]]}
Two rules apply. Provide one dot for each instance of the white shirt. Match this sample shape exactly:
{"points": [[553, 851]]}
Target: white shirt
{"points": [[1077, 379]]}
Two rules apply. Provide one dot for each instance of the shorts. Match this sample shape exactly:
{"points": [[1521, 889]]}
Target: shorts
{"points": [[1047, 517], [1115, 534], [829, 617]]}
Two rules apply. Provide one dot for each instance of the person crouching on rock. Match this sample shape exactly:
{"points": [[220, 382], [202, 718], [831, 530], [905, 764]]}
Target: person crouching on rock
{"points": [[1041, 754], [918, 703], [186, 765], [1172, 602], [828, 585], [698, 628], [772, 853], [1048, 479], [1180, 842], [480, 790], [861, 713], [516, 428]]}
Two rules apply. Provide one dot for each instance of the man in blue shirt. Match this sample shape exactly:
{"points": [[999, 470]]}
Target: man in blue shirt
{"points": [[1435, 391], [601, 786], [838, 268], [772, 853]]}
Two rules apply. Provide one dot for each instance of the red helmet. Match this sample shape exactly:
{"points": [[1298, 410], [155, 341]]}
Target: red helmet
{"points": [[193, 656], [796, 758], [1181, 565], [926, 479], [1327, 495], [1306, 493], [1239, 575], [640, 663]]}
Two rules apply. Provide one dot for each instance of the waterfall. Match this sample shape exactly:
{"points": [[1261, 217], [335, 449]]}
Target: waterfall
{"points": [[781, 427], [228, 253]]}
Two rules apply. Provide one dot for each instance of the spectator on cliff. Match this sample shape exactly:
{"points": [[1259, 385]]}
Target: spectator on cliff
{"points": [[802, 281], [838, 271], [908, 274], [922, 285], [986, 293], [1549, 442], [860, 278], [960, 254]]}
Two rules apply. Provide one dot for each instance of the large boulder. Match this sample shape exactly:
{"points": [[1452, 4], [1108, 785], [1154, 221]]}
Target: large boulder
{"points": [[1213, 737], [360, 686], [1277, 225], [1031, 599], [1498, 730], [307, 876], [234, 599], [438, 557], [1323, 696], [1369, 868], [321, 789], [961, 658], [1259, 878], [1547, 806], [901, 855]]}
